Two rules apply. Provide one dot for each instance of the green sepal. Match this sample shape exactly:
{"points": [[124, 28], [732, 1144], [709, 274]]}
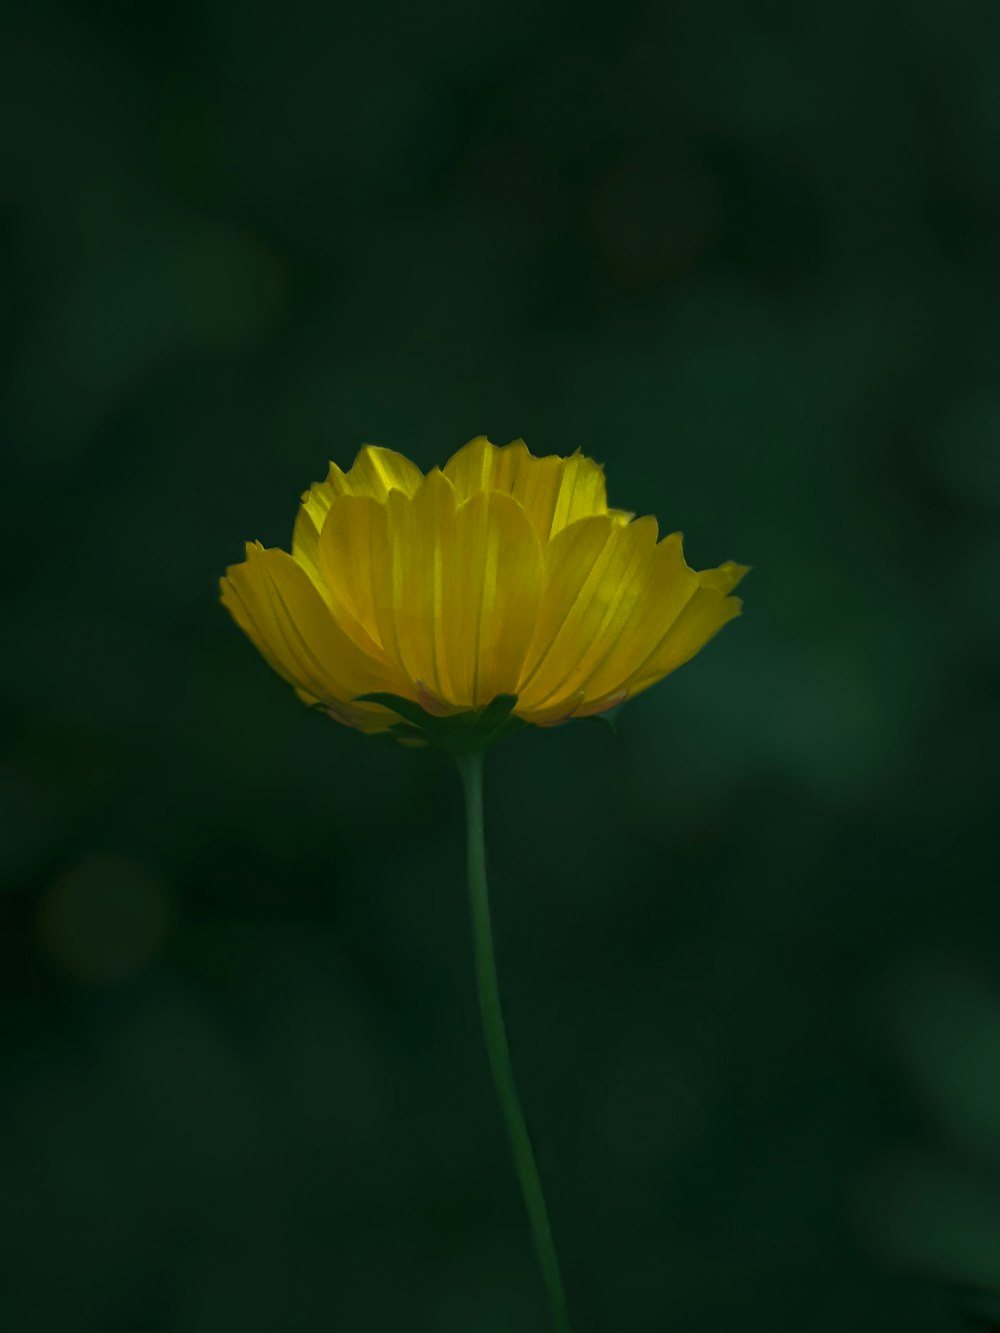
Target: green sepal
{"points": [[458, 732], [406, 708]]}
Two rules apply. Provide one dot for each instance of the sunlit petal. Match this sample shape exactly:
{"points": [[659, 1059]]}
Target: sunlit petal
{"points": [[375, 472], [553, 491], [293, 626]]}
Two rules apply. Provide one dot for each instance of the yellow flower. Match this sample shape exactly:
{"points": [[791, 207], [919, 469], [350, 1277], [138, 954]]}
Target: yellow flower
{"points": [[500, 574]]}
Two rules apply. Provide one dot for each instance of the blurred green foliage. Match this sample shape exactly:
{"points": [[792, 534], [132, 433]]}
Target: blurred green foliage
{"points": [[744, 254]]}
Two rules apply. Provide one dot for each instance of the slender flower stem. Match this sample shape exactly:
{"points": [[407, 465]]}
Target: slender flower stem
{"points": [[471, 768]]}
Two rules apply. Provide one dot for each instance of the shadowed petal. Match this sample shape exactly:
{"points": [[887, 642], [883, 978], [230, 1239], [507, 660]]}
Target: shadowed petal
{"points": [[354, 537], [274, 599], [241, 596]]}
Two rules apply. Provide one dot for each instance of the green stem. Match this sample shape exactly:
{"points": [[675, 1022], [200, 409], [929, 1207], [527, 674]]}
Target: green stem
{"points": [[471, 768]]}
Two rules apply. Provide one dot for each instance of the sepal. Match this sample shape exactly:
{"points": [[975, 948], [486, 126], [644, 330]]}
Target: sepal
{"points": [[457, 732]]}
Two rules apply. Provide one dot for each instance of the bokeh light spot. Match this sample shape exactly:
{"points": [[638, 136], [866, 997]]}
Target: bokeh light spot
{"points": [[104, 920]]}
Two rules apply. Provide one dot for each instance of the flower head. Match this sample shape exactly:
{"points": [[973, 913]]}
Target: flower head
{"points": [[498, 576]]}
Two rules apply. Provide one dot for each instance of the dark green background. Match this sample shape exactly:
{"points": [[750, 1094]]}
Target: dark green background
{"points": [[745, 255]]}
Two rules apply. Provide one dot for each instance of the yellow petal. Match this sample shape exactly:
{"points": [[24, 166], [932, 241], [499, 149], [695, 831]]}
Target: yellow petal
{"points": [[454, 592], [553, 491], [661, 615], [293, 627], [385, 566], [375, 472], [492, 608], [241, 596], [369, 718], [424, 543], [725, 578], [704, 615], [660, 591], [594, 571], [355, 534], [377, 563], [575, 705], [554, 714]]}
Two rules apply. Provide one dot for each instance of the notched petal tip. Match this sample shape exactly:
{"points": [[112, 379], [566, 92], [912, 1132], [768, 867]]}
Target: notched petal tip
{"points": [[553, 490], [725, 577], [435, 484], [239, 565], [394, 468], [589, 458]]}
